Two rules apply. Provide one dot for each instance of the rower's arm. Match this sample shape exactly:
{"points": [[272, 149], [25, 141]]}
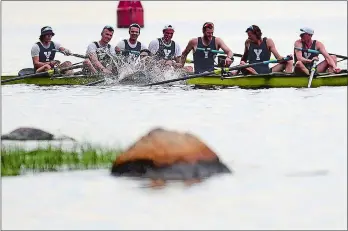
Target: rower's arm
{"points": [[35, 51], [94, 60], [37, 64], [62, 49], [177, 56], [92, 55], [187, 50], [298, 53], [221, 44], [246, 50], [65, 51], [326, 55], [273, 49]]}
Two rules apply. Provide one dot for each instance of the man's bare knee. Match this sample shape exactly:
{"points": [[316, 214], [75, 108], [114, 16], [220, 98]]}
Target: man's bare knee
{"points": [[299, 64], [44, 68], [290, 62], [66, 64]]}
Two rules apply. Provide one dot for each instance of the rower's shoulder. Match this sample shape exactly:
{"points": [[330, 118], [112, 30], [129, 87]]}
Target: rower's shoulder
{"points": [[194, 40], [218, 39], [92, 44], [269, 41], [35, 44], [154, 41], [298, 41], [317, 42]]}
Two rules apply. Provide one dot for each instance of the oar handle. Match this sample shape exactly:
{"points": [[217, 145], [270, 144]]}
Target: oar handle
{"points": [[287, 58], [318, 52], [72, 54], [216, 51]]}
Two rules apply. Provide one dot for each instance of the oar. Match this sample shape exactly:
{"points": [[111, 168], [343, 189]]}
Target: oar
{"points": [[217, 52], [318, 52], [76, 55], [30, 70], [95, 82], [238, 67], [48, 73], [314, 67]]}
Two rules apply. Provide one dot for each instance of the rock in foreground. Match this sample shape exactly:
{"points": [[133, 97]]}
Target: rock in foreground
{"points": [[167, 155], [27, 133]]}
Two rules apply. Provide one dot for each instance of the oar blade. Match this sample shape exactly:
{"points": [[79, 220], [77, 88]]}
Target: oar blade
{"points": [[313, 69], [26, 71]]}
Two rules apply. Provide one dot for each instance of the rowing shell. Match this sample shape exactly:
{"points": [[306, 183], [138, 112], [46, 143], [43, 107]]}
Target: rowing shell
{"points": [[273, 80], [47, 81]]}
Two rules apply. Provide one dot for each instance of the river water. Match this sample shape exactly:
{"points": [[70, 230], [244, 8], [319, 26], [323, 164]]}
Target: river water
{"points": [[286, 147]]}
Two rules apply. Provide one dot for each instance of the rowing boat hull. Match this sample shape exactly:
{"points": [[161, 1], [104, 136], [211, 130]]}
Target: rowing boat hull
{"points": [[274, 80], [271, 81], [46, 81]]}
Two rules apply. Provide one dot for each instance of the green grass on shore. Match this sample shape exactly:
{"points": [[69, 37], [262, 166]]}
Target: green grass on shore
{"points": [[18, 160]]}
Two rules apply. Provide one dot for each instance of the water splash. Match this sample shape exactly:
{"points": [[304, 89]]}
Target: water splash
{"points": [[132, 70]]}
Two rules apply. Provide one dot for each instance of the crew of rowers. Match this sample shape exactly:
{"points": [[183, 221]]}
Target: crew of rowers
{"points": [[168, 52]]}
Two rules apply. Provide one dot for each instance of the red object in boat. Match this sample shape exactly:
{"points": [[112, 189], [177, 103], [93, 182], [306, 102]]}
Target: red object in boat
{"points": [[129, 12]]}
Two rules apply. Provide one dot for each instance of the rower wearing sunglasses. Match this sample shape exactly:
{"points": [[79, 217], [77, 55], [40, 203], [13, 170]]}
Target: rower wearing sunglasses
{"points": [[258, 49], [100, 53], [43, 53], [304, 60], [165, 49], [203, 59], [132, 45]]}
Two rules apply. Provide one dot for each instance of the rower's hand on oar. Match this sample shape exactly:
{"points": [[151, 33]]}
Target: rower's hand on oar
{"points": [[337, 70], [177, 65], [285, 59], [315, 59], [54, 63], [228, 62], [66, 52]]}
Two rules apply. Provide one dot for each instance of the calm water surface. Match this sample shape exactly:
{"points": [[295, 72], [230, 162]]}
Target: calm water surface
{"points": [[287, 147]]}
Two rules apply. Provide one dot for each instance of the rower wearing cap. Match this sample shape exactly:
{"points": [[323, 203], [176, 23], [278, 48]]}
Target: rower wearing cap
{"points": [[43, 52], [204, 60], [304, 60], [258, 49], [165, 48], [100, 53], [131, 44]]}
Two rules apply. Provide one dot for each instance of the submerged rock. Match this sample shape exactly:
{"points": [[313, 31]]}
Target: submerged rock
{"points": [[27, 133], [167, 155]]}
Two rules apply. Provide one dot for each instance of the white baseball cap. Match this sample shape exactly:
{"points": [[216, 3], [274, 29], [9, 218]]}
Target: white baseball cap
{"points": [[306, 30], [168, 27]]}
